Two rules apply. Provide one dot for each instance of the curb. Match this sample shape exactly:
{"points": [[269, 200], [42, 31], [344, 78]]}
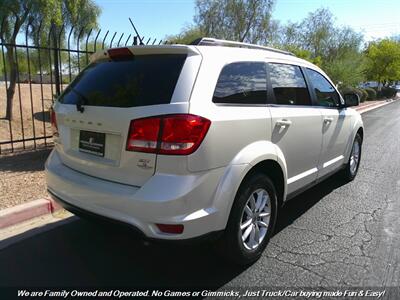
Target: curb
{"points": [[23, 212], [369, 107]]}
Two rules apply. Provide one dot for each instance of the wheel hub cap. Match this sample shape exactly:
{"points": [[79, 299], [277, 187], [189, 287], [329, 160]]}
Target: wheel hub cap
{"points": [[255, 219], [354, 157]]}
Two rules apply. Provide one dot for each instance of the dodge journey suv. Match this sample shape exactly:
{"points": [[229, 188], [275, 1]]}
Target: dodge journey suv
{"points": [[190, 141]]}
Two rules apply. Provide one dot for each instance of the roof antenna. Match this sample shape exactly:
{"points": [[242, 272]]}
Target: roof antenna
{"points": [[137, 33]]}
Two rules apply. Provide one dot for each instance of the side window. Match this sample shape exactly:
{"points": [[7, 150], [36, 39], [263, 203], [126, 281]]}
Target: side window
{"points": [[288, 85], [242, 83], [324, 91]]}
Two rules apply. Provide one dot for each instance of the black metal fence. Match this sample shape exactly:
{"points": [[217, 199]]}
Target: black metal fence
{"points": [[34, 71]]}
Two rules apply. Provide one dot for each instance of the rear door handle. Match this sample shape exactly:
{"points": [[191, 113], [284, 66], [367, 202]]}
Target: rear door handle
{"points": [[283, 123], [328, 120]]}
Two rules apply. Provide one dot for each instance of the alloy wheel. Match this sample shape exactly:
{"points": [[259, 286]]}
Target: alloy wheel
{"points": [[355, 157], [255, 219]]}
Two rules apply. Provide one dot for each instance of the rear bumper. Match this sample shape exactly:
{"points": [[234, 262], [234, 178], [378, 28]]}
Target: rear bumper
{"points": [[212, 236], [164, 199]]}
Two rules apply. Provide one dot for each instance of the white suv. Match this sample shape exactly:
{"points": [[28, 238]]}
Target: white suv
{"points": [[187, 141]]}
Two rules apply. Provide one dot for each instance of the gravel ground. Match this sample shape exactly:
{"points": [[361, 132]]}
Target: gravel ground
{"points": [[22, 177]]}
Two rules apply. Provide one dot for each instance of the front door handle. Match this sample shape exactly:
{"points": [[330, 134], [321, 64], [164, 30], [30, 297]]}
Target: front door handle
{"points": [[328, 120], [283, 123]]}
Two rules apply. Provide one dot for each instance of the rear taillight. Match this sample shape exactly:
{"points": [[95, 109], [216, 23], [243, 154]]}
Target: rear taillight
{"points": [[182, 134], [171, 134], [143, 135], [53, 121]]}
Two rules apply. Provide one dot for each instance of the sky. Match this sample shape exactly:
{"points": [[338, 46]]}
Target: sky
{"points": [[159, 18]]}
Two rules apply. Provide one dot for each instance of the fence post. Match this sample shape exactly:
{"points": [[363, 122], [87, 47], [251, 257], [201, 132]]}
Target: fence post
{"points": [[56, 63]]}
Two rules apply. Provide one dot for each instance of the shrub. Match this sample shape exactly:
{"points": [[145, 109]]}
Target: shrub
{"points": [[371, 93], [388, 92], [351, 90], [364, 95], [347, 90]]}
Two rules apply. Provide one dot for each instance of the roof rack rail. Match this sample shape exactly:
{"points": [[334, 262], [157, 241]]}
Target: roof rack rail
{"points": [[205, 41]]}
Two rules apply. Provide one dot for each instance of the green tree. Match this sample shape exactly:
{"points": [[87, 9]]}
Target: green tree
{"points": [[346, 70], [316, 32], [319, 35], [78, 64], [288, 36], [319, 40], [344, 59], [22, 61], [188, 35], [304, 54], [383, 61], [17, 15], [239, 20]]}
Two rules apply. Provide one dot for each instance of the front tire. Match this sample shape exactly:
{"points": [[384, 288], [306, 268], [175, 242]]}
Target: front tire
{"points": [[252, 220], [352, 166]]}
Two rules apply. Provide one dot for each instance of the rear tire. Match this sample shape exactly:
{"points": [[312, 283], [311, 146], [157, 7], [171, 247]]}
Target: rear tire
{"points": [[351, 169], [251, 221]]}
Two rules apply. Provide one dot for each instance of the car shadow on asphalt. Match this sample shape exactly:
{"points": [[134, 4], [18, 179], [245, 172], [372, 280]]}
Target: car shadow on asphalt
{"points": [[83, 253], [299, 205], [86, 253]]}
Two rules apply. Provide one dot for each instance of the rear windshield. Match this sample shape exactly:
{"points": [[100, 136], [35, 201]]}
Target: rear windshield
{"points": [[143, 80]]}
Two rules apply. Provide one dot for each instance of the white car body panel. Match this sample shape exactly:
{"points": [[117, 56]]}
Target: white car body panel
{"points": [[301, 151], [335, 131]]}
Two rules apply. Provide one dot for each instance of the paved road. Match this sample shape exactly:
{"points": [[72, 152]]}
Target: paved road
{"points": [[333, 235]]}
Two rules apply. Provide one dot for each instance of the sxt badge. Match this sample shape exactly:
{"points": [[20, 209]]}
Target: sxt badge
{"points": [[144, 164]]}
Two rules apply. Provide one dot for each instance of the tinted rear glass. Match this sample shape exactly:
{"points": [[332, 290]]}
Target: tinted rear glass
{"points": [[289, 85], [242, 83], [143, 80]]}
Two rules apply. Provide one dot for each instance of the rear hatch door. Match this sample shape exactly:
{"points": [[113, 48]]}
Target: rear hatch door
{"points": [[94, 112]]}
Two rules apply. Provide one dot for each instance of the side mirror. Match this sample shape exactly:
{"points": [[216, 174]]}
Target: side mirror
{"points": [[351, 100]]}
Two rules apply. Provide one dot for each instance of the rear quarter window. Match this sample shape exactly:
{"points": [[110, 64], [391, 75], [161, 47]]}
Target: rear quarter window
{"points": [[242, 83], [141, 81]]}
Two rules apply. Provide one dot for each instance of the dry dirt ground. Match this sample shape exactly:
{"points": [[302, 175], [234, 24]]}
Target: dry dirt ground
{"points": [[22, 173], [22, 177], [24, 107]]}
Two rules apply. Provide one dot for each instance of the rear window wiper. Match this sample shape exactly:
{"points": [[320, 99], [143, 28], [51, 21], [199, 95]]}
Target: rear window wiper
{"points": [[82, 100]]}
